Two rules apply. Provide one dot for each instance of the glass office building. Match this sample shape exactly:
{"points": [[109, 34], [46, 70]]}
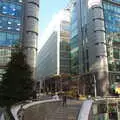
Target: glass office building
{"points": [[112, 27], [11, 19], [14, 14]]}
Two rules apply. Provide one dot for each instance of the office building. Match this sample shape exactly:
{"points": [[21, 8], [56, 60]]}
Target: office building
{"points": [[18, 26], [97, 41], [54, 57]]}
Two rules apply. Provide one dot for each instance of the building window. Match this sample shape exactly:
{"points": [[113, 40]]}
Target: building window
{"points": [[116, 53]]}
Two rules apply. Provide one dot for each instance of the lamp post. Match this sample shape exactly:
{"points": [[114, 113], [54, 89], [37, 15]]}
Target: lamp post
{"points": [[95, 89], [61, 84]]}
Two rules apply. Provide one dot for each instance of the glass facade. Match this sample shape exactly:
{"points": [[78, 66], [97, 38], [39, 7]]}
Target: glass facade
{"points": [[74, 42], [112, 17], [10, 23], [47, 58], [64, 47], [11, 19], [112, 27]]}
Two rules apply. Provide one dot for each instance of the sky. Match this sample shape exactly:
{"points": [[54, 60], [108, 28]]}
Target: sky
{"points": [[48, 8]]}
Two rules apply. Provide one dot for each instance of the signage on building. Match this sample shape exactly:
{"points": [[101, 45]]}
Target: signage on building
{"points": [[93, 2]]}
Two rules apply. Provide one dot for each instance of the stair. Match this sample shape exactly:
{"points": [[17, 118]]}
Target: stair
{"points": [[67, 112]]}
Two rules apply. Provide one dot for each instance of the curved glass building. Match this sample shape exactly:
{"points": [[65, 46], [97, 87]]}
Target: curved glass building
{"points": [[54, 56], [14, 30]]}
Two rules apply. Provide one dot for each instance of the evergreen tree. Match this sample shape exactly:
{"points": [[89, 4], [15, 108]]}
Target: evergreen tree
{"points": [[17, 83]]}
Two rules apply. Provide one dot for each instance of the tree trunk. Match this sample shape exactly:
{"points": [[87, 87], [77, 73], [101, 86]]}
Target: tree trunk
{"points": [[8, 110]]}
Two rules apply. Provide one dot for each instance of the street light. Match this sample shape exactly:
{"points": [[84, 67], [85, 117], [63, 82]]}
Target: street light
{"points": [[95, 89], [61, 86]]}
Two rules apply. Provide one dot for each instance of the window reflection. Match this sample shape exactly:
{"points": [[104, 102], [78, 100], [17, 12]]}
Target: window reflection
{"points": [[9, 39], [112, 17], [7, 23], [11, 9]]}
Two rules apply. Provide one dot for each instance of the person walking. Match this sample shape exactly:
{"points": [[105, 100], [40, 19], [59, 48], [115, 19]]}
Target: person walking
{"points": [[64, 99]]}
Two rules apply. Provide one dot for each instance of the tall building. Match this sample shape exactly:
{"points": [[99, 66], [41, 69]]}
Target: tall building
{"points": [[98, 31], [54, 56], [18, 25]]}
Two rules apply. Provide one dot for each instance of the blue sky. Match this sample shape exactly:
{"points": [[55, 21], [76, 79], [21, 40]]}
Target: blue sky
{"points": [[47, 9]]}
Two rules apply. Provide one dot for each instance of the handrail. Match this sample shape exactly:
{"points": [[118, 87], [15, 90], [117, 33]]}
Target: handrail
{"points": [[85, 110]]}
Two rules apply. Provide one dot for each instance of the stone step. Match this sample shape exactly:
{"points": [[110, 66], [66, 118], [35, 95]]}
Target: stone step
{"points": [[68, 112]]}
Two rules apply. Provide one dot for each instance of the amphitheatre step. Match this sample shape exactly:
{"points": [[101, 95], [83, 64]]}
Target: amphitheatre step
{"points": [[67, 112]]}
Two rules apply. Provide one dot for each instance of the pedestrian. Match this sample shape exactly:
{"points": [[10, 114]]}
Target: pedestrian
{"points": [[64, 99], [34, 95], [77, 96], [56, 97]]}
